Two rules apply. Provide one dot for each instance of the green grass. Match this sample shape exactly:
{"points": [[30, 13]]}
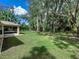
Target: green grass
{"points": [[32, 45]]}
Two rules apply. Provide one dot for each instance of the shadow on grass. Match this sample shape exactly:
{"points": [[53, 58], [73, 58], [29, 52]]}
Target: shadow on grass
{"points": [[64, 41], [22, 32], [11, 42], [39, 53], [74, 57], [45, 33]]}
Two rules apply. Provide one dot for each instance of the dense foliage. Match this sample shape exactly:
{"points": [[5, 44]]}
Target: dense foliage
{"points": [[54, 15], [7, 16]]}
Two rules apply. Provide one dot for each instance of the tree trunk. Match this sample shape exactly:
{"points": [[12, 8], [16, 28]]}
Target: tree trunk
{"points": [[44, 22], [78, 31], [37, 24]]}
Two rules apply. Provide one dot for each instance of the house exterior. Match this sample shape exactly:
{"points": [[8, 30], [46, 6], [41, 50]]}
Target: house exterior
{"points": [[8, 29]]}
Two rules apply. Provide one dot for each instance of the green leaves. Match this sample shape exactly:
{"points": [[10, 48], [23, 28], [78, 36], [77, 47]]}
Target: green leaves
{"points": [[54, 14], [7, 16]]}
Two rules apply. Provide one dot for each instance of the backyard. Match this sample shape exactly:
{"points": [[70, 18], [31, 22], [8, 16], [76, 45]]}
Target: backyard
{"points": [[39, 29], [32, 45]]}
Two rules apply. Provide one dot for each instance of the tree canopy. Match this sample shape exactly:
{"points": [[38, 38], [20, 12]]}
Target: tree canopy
{"points": [[54, 15]]}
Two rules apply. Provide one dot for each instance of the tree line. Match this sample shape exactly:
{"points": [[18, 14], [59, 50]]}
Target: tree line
{"points": [[54, 15]]}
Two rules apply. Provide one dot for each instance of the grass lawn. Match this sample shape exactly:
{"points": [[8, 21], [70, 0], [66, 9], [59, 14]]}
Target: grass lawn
{"points": [[32, 45]]}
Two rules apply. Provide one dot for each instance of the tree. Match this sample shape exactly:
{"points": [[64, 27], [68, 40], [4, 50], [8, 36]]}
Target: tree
{"points": [[54, 15], [7, 16]]}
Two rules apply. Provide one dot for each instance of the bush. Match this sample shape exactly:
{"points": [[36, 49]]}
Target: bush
{"points": [[24, 27]]}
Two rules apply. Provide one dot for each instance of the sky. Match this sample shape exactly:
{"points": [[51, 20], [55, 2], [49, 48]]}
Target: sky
{"points": [[23, 3], [21, 7]]}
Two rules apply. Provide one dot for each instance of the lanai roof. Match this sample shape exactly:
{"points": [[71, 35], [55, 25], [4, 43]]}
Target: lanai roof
{"points": [[8, 23]]}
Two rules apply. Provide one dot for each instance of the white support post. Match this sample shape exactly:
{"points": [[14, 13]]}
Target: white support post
{"points": [[3, 30], [1, 43], [1, 39], [18, 30]]}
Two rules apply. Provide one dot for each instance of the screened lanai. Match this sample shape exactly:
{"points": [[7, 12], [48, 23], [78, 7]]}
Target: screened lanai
{"points": [[8, 29]]}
